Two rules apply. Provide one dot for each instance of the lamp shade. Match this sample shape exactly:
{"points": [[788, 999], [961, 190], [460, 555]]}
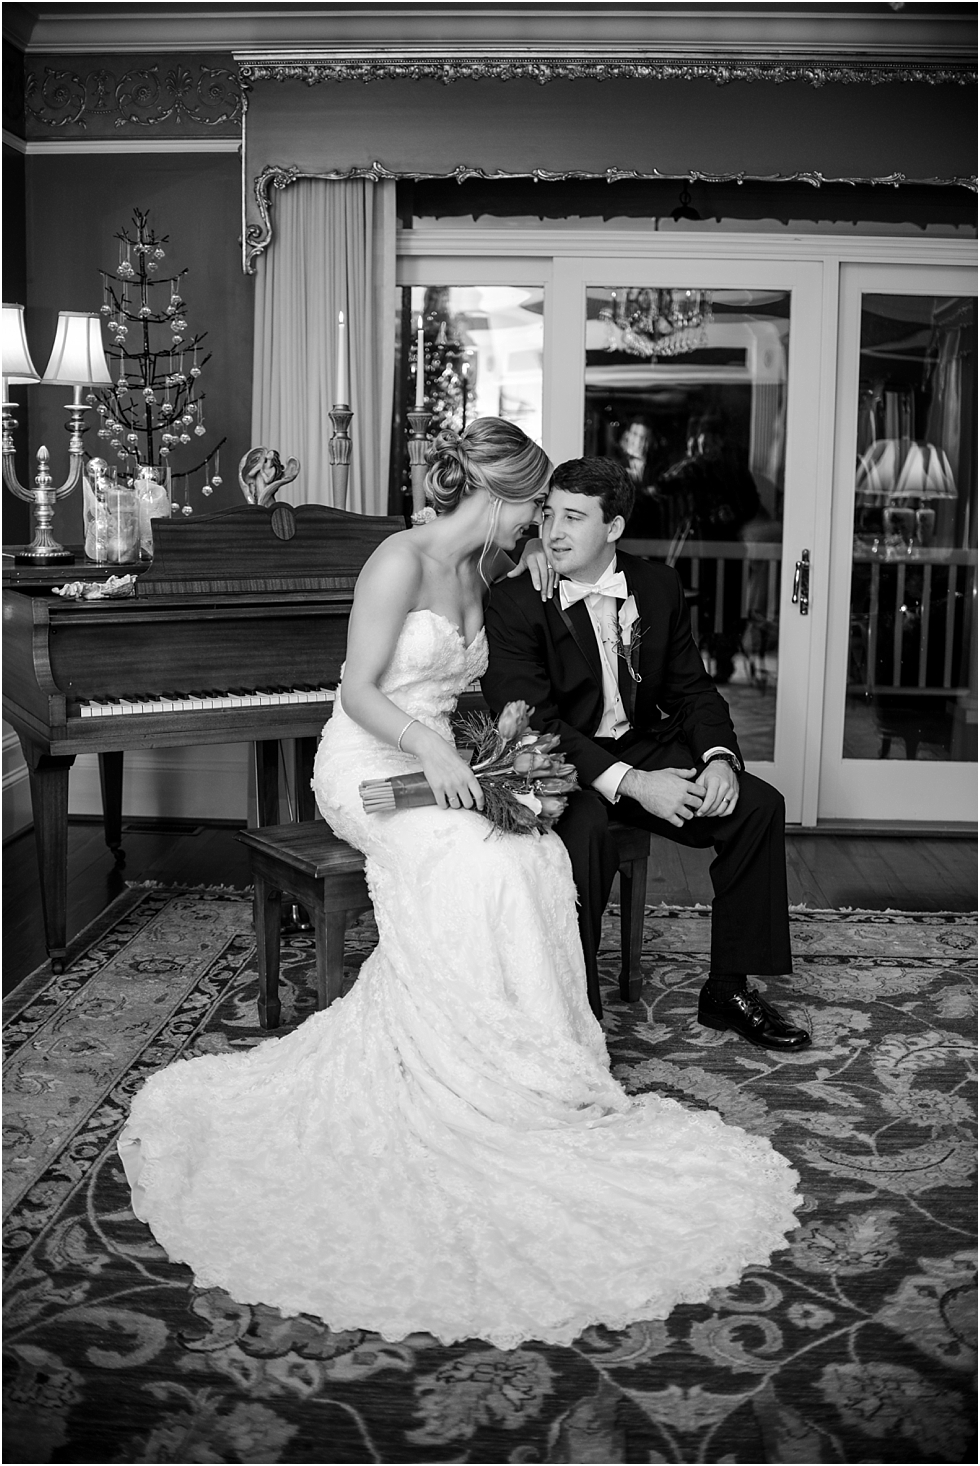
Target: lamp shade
{"points": [[877, 471], [77, 356], [17, 364], [894, 469], [925, 474]]}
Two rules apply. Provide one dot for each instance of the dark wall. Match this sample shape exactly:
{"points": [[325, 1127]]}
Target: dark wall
{"points": [[75, 205], [16, 514]]}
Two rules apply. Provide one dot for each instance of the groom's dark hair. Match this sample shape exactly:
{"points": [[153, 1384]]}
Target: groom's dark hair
{"points": [[599, 478]]}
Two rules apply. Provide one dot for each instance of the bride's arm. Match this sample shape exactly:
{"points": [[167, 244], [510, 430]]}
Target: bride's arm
{"points": [[387, 589]]}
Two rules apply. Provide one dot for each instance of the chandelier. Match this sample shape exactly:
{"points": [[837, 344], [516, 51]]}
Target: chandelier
{"points": [[652, 323]]}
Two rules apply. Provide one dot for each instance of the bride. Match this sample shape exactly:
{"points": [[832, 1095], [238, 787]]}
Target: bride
{"points": [[444, 1149]]}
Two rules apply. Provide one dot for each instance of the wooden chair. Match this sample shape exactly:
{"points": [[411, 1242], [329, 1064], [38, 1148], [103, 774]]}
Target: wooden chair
{"points": [[326, 875]]}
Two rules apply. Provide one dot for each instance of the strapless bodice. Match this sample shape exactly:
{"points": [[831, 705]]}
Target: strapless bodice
{"points": [[429, 668]]}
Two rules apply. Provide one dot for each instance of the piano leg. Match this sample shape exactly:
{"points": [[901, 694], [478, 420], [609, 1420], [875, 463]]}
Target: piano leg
{"points": [[304, 752], [267, 782], [49, 801], [111, 779], [267, 915]]}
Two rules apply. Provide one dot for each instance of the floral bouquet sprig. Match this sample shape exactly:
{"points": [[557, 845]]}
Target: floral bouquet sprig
{"points": [[525, 782]]}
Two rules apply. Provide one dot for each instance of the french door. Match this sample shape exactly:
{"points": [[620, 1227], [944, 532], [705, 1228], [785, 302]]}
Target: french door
{"points": [[703, 378], [797, 415], [900, 711]]}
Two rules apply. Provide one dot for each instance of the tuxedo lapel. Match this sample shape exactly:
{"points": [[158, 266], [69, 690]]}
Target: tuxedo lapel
{"points": [[579, 624]]}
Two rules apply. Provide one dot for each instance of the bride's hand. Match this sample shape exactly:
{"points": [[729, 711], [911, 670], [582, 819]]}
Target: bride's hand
{"points": [[450, 777], [535, 562]]}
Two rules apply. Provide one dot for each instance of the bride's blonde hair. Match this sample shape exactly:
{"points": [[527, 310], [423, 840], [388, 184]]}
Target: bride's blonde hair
{"points": [[490, 454]]}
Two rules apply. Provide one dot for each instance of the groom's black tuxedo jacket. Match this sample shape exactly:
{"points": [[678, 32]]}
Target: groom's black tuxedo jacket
{"points": [[551, 660]]}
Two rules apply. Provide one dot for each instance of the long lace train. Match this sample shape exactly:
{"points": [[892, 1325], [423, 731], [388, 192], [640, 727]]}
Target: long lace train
{"points": [[445, 1149]]}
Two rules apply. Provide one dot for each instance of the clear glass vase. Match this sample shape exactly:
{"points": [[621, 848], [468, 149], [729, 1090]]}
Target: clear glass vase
{"points": [[153, 498], [111, 518]]}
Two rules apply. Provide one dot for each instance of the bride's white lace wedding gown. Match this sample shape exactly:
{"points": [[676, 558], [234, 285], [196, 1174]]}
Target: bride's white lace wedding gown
{"points": [[444, 1149]]}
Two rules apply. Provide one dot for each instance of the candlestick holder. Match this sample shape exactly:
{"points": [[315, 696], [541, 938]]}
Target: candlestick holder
{"points": [[339, 452], [418, 442], [44, 549]]}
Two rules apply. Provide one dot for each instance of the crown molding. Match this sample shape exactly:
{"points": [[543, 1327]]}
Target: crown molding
{"points": [[42, 147], [946, 33], [103, 94], [600, 63]]}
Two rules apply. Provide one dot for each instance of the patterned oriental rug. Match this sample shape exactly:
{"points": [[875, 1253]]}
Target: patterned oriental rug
{"points": [[855, 1344]]}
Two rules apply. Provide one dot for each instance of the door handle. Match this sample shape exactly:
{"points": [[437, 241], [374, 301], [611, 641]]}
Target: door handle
{"points": [[801, 583]]}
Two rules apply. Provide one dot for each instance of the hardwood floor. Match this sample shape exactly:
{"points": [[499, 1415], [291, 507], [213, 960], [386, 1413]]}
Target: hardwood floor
{"points": [[905, 873]]}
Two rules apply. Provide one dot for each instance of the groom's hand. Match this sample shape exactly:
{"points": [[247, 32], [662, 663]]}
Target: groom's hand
{"points": [[670, 794], [719, 782]]}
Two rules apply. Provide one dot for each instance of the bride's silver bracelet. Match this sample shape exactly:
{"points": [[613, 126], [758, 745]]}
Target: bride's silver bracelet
{"points": [[401, 735]]}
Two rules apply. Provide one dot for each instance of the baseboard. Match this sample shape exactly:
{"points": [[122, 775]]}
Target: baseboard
{"points": [[17, 814], [202, 783], [879, 829]]}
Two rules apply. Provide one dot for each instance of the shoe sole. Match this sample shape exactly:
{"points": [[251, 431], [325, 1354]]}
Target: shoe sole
{"points": [[719, 1025]]}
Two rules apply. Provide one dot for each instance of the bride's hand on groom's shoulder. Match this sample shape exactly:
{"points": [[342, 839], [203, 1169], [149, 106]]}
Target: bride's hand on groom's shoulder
{"points": [[447, 775], [535, 562]]}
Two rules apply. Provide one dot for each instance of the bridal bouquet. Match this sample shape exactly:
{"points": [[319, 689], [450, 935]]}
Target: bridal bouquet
{"points": [[525, 782]]}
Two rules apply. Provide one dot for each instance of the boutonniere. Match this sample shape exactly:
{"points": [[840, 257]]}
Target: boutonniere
{"points": [[630, 634]]}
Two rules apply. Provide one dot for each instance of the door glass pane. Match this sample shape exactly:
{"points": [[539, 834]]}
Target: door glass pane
{"points": [[912, 660], [484, 349], [687, 388]]}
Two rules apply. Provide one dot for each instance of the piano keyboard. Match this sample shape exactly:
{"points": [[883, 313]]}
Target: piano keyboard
{"points": [[190, 702]]}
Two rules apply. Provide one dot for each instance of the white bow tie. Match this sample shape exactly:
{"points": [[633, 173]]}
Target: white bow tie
{"points": [[571, 591]]}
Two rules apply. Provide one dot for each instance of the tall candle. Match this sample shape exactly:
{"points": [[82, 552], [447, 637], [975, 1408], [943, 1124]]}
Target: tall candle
{"points": [[341, 359], [420, 367]]}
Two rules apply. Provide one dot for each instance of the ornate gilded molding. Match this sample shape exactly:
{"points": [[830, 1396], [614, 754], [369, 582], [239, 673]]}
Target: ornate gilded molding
{"points": [[258, 237], [547, 68], [111, 94]]}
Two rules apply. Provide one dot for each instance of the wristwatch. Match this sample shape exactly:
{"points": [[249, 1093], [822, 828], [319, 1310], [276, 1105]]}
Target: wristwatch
{"points": [[731, 759]]}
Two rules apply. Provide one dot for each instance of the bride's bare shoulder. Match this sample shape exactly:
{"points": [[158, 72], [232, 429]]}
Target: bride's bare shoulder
{"points": [[395, 565]]}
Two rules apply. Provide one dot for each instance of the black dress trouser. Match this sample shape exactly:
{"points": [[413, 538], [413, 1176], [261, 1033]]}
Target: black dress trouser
{"points": [[750, 909]]}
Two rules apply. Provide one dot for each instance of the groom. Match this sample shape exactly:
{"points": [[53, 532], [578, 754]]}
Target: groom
{"points": [[611, 666]]}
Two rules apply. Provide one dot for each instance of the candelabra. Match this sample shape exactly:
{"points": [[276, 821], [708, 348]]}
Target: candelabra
{"points": [[418, 443], [339, 452], [77, 361]]}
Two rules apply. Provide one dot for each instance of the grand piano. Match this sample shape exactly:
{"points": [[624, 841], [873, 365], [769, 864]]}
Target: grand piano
{"points": [[236, 632]]}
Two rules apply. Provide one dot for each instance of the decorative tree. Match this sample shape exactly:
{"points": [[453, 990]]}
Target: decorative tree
{"points": [[155, 407], [446, 369]]}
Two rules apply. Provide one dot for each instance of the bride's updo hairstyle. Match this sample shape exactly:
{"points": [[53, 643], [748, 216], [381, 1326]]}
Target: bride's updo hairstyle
{"points": [[491, 454]]}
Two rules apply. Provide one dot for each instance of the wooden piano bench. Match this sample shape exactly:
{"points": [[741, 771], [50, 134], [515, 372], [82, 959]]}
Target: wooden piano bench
{"points": [[326, 875]]}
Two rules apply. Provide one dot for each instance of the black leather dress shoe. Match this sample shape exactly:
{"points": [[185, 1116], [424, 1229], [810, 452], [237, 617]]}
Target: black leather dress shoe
{"points": [[749, 1014]]}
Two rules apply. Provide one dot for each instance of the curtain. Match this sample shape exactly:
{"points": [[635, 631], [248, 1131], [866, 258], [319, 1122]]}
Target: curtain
{"points": [[334, 250]]}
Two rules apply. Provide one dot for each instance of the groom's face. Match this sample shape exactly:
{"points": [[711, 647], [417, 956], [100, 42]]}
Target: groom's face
{"points": [[577, 540]]}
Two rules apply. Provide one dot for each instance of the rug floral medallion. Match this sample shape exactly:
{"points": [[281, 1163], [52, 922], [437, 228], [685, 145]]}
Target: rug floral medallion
{"points": [[856, 1343]]}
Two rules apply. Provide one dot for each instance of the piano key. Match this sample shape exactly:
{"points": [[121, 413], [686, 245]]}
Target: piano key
{"points": [[205, 700]]}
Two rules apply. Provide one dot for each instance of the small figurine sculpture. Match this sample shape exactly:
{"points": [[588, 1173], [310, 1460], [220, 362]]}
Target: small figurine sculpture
{"points": [[261, 474]]}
